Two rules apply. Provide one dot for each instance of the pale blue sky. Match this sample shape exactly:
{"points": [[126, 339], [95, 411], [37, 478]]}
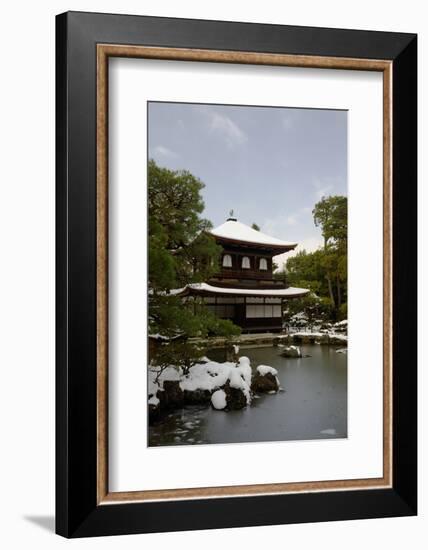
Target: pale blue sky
{"points": [[270, 165]]}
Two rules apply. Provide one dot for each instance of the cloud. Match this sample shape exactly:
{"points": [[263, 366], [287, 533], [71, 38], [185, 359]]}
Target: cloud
{"points": [[163, 152], [226, 128], [323, 192], [323, 188], [310, 244], [280, 225]]}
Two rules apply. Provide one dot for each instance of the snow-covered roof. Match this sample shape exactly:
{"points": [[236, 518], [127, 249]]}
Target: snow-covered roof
{"points": [[210, 289], [237, 231]]}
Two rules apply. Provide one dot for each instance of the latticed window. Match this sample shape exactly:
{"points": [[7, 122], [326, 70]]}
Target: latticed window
{"points": [[263, 264], [245, 262], [263, 311], [227, 260]]}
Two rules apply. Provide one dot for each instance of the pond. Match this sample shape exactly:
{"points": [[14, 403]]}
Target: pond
{"points": [[312, 405]]}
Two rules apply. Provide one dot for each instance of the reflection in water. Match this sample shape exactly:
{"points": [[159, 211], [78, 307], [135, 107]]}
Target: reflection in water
{"points": [[312, 405]]}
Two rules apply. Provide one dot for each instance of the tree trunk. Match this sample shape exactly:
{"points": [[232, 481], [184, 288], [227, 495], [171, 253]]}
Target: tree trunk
{"points": [[330, 285], [339, 293], [330, 291]]}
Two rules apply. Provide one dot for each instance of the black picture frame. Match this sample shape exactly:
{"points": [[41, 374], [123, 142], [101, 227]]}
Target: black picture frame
{"points": [[77, 511]]}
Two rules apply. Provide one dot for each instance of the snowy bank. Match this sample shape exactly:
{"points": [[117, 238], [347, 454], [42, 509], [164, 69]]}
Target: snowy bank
{"points": [[225, 385], [300, 322], [303, 337]]}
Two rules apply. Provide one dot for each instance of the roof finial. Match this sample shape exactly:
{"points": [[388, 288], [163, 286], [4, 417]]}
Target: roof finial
{"points": [[231, 217]]}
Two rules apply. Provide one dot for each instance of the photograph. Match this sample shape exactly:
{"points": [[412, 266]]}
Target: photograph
{"points": [[212, 302], [247, 273]]}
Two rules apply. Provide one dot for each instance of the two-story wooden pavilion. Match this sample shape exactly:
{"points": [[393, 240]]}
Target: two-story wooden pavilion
{"points": [[245, 290]]}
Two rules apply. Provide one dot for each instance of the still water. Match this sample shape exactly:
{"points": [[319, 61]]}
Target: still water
{"points": [[312, 405]]}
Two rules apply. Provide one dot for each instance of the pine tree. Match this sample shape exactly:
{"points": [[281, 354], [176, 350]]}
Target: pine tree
{"points": [[181, 251]]}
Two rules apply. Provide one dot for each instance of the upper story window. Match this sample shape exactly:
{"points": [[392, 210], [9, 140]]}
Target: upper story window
{"points": [[245, 262], [263, 264], [227, 260]]}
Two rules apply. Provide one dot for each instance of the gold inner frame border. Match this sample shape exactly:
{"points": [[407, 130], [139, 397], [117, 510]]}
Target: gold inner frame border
{"points": [[104, 52]]}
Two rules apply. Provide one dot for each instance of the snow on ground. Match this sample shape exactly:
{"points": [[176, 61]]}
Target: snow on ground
{"points": [[299, 320], [341, 337], [299, 323], [309, 333], [317, 335], [300, 315]]}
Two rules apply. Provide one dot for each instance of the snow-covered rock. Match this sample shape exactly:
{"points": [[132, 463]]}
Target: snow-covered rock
{"points": [[246, 372], [172, 389], [265, 380], [291, 351], [264, 369], [341, 326], [235, 379], [218, 400], [154, 407], [154, 400], [212, 376], [339, 339], [236, 397]]}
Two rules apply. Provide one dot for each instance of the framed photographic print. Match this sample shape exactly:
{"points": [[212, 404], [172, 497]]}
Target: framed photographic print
{"points": [[236, 274]]}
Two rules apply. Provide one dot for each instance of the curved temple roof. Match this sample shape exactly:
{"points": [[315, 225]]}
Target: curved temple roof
{"points": [[237, 231], [205, 288]]}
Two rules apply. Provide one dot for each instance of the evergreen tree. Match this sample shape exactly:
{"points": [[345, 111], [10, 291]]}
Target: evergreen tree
{"points": [[331, 214], [324, 271], [181, 251]]}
